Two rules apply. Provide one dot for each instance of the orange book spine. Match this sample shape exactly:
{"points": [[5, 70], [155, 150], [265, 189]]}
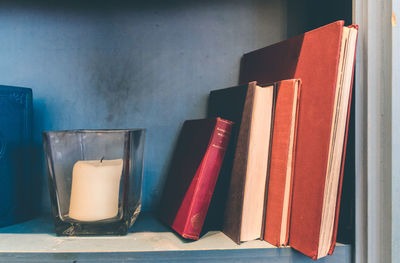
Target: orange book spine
{"points": [[276, 206]]}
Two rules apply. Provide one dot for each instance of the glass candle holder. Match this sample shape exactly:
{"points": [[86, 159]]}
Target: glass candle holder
{"points": [[95, 180]]}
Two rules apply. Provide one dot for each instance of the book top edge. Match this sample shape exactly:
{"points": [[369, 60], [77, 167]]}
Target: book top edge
{"points": [[4, 88]]}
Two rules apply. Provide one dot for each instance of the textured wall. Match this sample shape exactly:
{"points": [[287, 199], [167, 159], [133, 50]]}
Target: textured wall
{"points": [[120, 65]]}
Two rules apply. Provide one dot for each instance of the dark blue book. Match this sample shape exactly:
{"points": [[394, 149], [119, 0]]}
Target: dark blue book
{"points": [[15, 154]]}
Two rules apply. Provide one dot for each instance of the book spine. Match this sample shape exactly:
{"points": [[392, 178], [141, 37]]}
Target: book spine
{"points": [[276, 208], [208, 175]]}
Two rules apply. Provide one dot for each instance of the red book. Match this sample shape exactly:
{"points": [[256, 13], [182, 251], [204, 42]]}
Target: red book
{"points": [[323, 59], [193, 174], [279, 192]]}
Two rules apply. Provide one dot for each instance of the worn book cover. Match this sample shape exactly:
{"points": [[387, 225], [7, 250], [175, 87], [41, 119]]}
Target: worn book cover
{"points": [[283, 154]]}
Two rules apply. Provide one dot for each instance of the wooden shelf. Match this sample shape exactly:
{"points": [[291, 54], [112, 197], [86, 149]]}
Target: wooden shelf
{"points": [[148, 240]]}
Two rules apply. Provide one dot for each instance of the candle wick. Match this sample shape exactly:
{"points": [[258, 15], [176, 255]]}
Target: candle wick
{"points": [[101, 160]]}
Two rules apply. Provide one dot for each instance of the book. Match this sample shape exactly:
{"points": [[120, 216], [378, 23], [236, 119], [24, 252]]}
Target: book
{"points": [[15, 154], [279, 193], [193, 174], [324, 60], [227, 103], [243, 217]]}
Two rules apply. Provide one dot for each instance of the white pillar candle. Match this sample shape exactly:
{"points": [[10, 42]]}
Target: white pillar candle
{"points": [[95, 189]]}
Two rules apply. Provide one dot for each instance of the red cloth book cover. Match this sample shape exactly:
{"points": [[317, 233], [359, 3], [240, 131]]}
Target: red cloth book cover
{"points": [[279, 193], [314, 58], [193, 174]]}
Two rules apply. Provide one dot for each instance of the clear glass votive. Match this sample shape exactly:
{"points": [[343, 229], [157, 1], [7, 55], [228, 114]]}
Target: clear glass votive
{"points": [[95, 180]]}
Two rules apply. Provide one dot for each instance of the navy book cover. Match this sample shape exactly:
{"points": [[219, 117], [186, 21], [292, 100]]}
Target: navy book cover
{"points": [[15, 156]]}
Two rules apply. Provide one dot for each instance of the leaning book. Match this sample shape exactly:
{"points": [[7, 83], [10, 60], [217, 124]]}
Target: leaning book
{"points": [[193, 174]]}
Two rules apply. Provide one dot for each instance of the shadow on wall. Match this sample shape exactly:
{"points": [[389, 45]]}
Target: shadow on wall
{"points": [[39, 173], [305, 15], [115, 82]]}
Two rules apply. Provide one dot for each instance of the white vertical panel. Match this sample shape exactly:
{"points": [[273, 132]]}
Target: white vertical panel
{"points": [[396, 132], [379, 130], [359, 9], [374, 132]]}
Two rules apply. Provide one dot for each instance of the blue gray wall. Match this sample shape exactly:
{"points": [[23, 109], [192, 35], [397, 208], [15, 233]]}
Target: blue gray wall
{"points": [[120, 65]]}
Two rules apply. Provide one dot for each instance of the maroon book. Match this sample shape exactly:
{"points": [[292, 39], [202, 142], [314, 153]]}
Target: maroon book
{"points": [[193, 174]]}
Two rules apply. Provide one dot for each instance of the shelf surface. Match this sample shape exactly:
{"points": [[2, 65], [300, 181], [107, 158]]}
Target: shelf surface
{"points": [[148, 240], [147, 234]]}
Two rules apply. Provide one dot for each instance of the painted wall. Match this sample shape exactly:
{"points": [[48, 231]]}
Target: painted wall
{"points": [[127, 65]]}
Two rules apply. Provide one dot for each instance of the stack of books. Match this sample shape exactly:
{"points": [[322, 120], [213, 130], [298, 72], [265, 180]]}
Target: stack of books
{"points": [[269, 158]]}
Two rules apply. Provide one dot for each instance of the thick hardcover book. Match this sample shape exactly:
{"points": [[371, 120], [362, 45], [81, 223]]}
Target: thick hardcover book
{"points": [[279, 193], [193, 174], [243, 218], [323, 59], [15, 146]]}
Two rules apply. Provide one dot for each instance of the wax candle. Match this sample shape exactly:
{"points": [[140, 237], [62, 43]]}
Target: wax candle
{"points": [[95, 189]]}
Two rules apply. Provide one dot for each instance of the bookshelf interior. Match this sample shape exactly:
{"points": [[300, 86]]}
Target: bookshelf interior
{"points": [[142, 64]]}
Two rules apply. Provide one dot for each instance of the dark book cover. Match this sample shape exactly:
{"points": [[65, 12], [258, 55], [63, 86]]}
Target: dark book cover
{"points": [[193, 174], [227, 103], [15, 154]]}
